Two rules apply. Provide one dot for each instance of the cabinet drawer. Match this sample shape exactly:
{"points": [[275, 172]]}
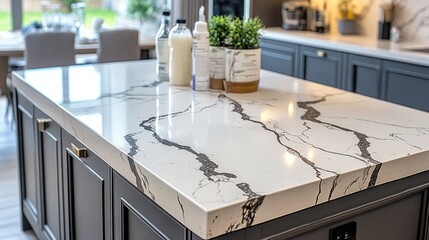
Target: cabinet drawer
{"points": [[278, 45], [279, 57], [321, 66]]}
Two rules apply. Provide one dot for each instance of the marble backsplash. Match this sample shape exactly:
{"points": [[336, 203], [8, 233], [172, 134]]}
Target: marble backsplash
{"points": [[411, 17]]}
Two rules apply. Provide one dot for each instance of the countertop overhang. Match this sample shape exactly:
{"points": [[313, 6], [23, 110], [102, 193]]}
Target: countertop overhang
{"points": [[354, 44], [219, 162]]}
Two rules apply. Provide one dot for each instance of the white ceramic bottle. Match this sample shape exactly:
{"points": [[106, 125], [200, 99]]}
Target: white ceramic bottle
{"points": [[200, 54], [180, 42], [162, 48]]}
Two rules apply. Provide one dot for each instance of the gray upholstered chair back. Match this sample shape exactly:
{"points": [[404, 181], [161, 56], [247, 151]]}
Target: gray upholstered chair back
{"points": [[118, 45], [49, 49]]}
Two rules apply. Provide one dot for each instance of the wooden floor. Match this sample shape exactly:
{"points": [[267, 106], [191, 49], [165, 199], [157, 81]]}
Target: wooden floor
{"points": [[9, 192]]}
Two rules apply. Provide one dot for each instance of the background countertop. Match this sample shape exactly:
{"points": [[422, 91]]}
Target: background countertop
{"points": [[355, 44]]}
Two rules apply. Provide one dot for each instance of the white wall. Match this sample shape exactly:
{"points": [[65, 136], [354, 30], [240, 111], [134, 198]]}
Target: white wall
{"points": [[412, 16]]}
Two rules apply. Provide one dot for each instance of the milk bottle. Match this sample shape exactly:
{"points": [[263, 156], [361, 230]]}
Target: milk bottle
{"points": [[180, 43]]}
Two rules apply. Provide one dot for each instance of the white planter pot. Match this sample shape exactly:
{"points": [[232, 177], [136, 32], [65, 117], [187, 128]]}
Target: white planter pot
{"points": [[242, 70], [217, 67]]}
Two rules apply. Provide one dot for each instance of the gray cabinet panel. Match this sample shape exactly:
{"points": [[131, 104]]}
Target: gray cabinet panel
{"points": [[364, 75], [381, 223], [87, 198], [406, 84], [87, 193], [373, 210], [28, 162], [49, 148], [321, 66], [240, 234], [135, 226], [279, 57], [134, 214]]}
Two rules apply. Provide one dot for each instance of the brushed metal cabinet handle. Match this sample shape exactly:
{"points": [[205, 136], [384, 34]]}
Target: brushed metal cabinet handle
{"points": [[321, 53], [80, 152], [43, 123]]}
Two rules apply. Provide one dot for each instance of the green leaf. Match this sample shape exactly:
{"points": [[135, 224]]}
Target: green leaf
{"points": [[219, 28], [245, 34]]}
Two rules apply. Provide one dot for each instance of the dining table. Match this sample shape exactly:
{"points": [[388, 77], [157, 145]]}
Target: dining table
{"points": [[12, 45]]}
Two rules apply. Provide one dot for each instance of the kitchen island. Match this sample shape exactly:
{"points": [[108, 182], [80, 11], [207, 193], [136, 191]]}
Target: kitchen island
{"points": [[293, 159]]}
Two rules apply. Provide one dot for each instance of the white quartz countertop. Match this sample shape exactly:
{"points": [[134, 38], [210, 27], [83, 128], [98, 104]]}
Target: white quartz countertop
{"points": [[355, 44], [220, 162]]}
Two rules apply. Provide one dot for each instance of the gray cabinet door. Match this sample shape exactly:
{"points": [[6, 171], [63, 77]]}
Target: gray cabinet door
{"points": [[406, 84], [28, 165], [279, 57], [49, 151], [137, 217], [86, 192], [321, 66], [364, 75]]}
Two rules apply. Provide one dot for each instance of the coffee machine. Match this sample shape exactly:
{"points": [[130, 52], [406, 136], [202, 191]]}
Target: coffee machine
{"points": [[297, 15]]}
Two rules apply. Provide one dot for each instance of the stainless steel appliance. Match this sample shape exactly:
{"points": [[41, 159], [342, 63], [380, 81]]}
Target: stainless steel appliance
{"points": [[297, 15], [235, 8]]}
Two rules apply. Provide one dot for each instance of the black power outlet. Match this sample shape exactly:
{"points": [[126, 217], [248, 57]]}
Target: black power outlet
{"points": [[343, 232]]}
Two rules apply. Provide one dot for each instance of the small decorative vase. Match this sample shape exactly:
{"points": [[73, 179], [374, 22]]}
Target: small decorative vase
{"points": [[217, 67], [242, 70], [347, 27]]}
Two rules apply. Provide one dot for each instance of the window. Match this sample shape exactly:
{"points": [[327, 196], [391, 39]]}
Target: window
{"points": [[113, 12], [5, 15], [61, 11]]}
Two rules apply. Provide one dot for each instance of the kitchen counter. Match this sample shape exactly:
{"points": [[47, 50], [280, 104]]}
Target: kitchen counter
{"points": [[220, 162], [354, 44]]}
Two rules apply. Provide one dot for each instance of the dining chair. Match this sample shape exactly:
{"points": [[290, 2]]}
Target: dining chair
{"points": [[49, 49], [46, 49], [118, 45]]}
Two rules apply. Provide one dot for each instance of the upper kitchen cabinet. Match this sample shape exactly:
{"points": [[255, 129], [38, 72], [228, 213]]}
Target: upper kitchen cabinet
{"points": [[321, 66], [363, 75], [406, 84], [279, 57]]}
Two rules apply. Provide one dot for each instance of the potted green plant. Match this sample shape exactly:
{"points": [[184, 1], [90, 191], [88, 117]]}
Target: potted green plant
{"points": [[219, 27], [243, 55], [347, 17]]}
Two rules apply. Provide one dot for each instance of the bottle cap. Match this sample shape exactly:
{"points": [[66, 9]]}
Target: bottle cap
{"points": [[202, 17], [181, 20]]}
